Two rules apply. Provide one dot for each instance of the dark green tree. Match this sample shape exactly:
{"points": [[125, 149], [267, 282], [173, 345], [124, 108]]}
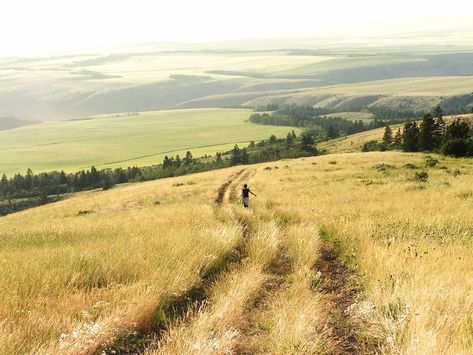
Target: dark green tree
{"points": [[426, 135], [29, 179], [307, 143], [439, 132], [167, 163], [244, 156], [458, 142], [218, 159], [438, 112], [178, 161], [188, 159], [387, 137], [332, 132], [62, 178], [457, 129], [94, 176], [273, 139], [397, 143], [410, 137], [289, 140], [235, 157], [3, 185]]}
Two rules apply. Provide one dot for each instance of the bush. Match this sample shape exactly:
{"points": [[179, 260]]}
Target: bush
{"points": [[371, 146], [457, 147], [430, 162], [421, 176]]}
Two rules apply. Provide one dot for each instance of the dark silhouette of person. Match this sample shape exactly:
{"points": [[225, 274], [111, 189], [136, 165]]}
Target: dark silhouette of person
{"points": [[245, 195]]}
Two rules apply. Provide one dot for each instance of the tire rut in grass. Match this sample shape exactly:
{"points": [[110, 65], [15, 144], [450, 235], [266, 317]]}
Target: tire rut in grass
{"points": [[220, 198], [278, 271], [341, 289], [137, 341]]}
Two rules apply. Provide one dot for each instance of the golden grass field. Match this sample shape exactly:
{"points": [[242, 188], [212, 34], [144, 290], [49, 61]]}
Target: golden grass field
{"points": [[78, 274]]}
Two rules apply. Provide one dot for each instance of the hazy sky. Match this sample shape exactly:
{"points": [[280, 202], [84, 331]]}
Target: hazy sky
{"points": [[42, 26]]}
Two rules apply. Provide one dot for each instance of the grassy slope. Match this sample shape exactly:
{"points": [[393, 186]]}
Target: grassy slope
{"points": [[126, 141], [84, 276], [429, 86]]}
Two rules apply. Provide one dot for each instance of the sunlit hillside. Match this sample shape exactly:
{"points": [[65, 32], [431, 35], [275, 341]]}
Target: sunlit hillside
{"points": [[354, 143], [338, 253]]}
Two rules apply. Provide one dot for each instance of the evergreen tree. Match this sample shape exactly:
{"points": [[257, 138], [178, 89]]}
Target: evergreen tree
{"points": [[457, 129], [29, 179], [178, 161], [332, 132], [3, 185], [397, 143], [293, 135], [439, 132], [62, 178], [426, 136], [289, 140], [218, 159], [387, 137], [244, 157], [273, 139], [438, 112], [166, 162], [94, 176], [188, 159], [82, 180], [307, 143], [410, 137], [235, 158]]}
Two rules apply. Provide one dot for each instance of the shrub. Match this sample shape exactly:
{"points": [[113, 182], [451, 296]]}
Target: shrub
{"points": [[456, 147], [371, 146], [430, 162], [421, 176]]}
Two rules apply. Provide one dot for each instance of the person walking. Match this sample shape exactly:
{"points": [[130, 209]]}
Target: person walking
{"points": [[245, 195]]}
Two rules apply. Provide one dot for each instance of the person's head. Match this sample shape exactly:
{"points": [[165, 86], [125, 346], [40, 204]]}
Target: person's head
{"points": [[245, 186]]}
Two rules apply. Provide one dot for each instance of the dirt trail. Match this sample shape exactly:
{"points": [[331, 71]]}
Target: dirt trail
{"points": [[278, 271], [137, 342], [337, 284], [340, 287], [222, 190]]}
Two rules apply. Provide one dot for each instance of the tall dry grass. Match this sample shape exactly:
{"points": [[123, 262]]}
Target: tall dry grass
{"points": [[77, 273], [410, 241], [69, 282], [215, 328], [294, 320]]}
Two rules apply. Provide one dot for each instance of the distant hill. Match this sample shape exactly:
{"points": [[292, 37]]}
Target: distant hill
{"points": [[7, 123]]}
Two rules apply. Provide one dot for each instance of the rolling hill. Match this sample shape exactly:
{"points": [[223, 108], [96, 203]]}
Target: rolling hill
{"points": [[339, 253], [155, 78]]}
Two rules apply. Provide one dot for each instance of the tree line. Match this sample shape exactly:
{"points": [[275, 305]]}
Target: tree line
{"points": [[311, 118], [432, 134], [44, 185]]}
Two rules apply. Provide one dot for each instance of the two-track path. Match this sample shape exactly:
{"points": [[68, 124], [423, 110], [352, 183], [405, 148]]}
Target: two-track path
{"points": [[219, 315]]}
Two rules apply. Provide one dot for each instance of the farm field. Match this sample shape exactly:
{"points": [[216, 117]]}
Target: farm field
{"points": [[339, 253], [143, 139], [421, 86]]}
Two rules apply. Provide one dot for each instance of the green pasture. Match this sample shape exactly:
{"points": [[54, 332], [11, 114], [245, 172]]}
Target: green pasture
{"points": [[142, 139]]}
